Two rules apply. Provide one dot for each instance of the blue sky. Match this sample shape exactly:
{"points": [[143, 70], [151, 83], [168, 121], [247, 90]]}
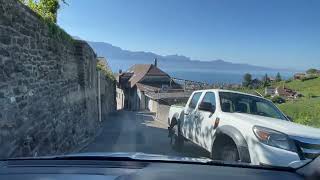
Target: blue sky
{"points": [[274, 33]]}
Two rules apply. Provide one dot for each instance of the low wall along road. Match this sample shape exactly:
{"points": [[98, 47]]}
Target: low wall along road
{"points": [[48, 87]]}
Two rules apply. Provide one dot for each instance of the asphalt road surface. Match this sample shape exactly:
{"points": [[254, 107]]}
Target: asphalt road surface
{"points": [[126, 131]]}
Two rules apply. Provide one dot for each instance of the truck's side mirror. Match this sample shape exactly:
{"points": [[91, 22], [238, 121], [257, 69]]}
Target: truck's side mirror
{"points": [[206, 106]]}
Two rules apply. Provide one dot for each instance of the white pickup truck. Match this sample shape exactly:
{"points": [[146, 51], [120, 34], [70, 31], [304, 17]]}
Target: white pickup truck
{"points": [[234, 126]]}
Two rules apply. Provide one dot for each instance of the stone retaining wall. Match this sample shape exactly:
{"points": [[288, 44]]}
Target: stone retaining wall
{"points": [[48, 87]]}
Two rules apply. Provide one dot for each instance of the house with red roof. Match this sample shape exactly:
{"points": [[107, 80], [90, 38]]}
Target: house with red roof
{"points": [[142, 86]]}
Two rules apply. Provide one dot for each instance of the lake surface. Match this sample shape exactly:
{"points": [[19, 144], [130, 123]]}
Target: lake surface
{"points": [[214, 77], [204, 75]]}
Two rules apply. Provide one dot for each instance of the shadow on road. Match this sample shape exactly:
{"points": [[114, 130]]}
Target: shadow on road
{"points": [[126, 131]]}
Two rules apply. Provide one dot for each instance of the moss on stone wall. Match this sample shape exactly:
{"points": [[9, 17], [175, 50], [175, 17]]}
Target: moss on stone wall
{"points": [[101, 66], [57, 32], [54, 30]]}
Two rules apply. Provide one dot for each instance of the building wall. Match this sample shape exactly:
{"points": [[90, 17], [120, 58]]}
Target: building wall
{"points": [[133, 99], [163, 113], [152, 105], [142, 100], [108, 96], [269, 91], [48, 87], [120, 99]]}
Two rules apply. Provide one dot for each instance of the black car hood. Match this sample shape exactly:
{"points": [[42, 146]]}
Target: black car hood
{"points": [[140, 156]]}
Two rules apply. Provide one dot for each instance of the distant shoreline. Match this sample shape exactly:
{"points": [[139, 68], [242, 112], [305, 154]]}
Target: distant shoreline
{"points": [[221, 77]]}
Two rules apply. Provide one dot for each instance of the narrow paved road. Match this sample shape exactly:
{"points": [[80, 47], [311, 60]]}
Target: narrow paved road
{"points": [[126, 131]]}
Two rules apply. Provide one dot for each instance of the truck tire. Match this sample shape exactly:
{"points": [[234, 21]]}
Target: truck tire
{"points": [[177, 139], [226, 150]]}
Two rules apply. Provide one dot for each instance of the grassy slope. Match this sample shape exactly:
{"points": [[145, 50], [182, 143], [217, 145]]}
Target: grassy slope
{"points": [[310, 86], [305, 110]]}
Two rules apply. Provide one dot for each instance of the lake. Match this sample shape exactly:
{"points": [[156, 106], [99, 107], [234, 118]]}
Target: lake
{"points": [[214, 77], [204, 75]]}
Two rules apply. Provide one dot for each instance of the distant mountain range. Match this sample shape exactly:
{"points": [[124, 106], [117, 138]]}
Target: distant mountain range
{"points": [[122, 59]]}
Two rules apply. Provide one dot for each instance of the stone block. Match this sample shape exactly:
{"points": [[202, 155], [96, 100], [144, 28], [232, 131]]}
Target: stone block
{"points": [[9, 67], [25, 31], [23, 42], [4, 52], [16, 91], [5, 39], [19, 99], [19, 67]]}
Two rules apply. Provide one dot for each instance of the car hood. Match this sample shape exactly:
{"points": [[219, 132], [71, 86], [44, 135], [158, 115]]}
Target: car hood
{"points": [[128, 155], [141, 156], [287, 127]]}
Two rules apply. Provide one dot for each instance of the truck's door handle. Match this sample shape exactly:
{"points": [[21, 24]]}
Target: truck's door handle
{"points": [[186, 113]]}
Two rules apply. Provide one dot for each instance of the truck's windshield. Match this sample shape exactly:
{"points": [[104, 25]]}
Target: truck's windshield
{"points": [[241, 103]]}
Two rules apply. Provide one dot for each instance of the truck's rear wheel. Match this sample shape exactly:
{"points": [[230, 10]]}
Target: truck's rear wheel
{"points": [[176, 140]]}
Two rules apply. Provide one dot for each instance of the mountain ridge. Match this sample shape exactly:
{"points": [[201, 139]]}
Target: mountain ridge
{"points": [[114, 53]]}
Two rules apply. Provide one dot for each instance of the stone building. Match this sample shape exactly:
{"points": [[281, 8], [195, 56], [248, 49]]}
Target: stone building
{"points": [[299, 76], [270, 91], [143, 86], [287, 93]]}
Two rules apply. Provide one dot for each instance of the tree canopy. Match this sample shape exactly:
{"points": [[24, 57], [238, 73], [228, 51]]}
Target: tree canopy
{"points": [[278, 77], [265, 80], [312, 71], [247, 78], [102, 66], [46, 8]]}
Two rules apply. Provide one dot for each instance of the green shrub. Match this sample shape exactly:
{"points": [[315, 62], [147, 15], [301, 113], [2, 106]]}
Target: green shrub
{"points": [[56, 32], [101, 66], [268, 96], [310, 95], [278, 99], [312, 71], [288, 80], [309, 77], [47, 10]]}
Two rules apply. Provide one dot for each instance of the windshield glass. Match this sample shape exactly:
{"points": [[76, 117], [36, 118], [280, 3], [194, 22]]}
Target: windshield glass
{"points": [[162, 77], [240, 103]]}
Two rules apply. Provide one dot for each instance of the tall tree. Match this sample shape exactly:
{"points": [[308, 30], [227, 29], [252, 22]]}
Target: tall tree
{"points": [[265, 80], [278, 77], [247, 78]]}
